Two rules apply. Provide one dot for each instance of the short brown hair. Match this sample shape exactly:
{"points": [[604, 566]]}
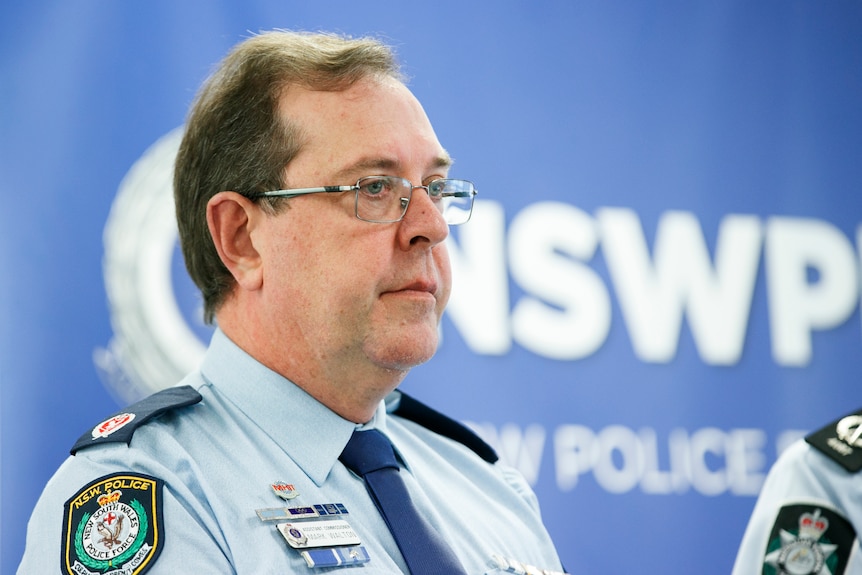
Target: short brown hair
{"points": [[235, 139]]}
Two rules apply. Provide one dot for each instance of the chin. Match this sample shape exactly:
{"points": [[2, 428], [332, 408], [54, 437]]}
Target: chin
{"points": [[405, 355], [405, 360], [403, 346]]}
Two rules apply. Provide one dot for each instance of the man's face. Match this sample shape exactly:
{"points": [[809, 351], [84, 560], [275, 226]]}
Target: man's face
{"points": [[353, 294]]}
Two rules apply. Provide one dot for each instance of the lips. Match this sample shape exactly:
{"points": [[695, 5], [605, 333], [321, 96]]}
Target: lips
{"points": [[422, 286]]}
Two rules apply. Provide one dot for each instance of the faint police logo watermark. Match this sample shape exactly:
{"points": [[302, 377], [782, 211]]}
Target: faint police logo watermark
{"points": [[153, 345]]}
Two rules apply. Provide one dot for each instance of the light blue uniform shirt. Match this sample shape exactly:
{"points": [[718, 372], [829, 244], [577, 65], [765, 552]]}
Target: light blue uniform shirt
{"points": [[218, 459], [804, 484]]}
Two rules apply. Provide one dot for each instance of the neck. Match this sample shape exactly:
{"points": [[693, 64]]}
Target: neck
{"points": [[350, 387]]}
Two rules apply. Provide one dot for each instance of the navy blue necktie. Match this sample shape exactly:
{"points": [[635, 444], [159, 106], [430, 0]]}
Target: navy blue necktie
{"points": [[369, 454]]}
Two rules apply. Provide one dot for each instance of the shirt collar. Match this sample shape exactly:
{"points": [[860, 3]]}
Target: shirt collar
{"points": [[283, 410]]}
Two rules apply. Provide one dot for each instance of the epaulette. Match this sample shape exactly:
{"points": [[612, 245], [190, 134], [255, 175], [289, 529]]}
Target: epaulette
{"points": [[120, 427], [841, 440], [418, 412]]}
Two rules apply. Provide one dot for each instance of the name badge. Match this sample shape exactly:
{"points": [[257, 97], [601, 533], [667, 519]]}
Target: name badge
{"points": [[323, 533]]}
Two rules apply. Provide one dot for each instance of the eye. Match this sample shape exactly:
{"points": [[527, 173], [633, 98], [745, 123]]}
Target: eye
{"points": [[374, 187], [438, 189], [381, 186]]}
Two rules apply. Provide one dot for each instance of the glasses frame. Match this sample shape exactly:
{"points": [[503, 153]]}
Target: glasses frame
{"points": [[293, 192]]}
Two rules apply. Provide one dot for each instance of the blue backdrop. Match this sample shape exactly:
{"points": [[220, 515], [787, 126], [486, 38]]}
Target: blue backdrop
{"points": [[659, 289]]}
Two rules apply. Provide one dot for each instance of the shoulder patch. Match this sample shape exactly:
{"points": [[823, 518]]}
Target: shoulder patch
{"points": [[808, 538], [120, 427], [113, 525], [841, 440], [418, 412]]}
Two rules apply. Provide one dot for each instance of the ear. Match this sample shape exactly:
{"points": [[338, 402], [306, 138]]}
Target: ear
{"points": [[231, 218]]}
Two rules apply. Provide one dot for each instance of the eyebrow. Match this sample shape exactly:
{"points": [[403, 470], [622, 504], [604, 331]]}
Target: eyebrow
{"points": [[366, 165]]}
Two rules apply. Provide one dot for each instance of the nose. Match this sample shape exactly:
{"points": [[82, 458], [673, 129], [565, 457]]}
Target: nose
{"points": [[422, 222]]}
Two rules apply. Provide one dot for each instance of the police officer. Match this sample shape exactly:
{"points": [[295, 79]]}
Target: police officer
{"points": [[809, 511], [313, 201]]}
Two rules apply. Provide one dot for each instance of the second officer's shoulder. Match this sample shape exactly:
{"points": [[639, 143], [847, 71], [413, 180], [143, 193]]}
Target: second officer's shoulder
{"points": [[841, 441], [121, 426]]}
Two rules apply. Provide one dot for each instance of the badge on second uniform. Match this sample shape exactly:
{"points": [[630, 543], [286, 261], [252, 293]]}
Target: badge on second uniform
{"points": [[808, 539]]}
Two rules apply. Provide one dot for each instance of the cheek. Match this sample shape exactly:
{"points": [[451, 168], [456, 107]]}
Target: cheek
{"points": [[300, 269], [340, 275]]}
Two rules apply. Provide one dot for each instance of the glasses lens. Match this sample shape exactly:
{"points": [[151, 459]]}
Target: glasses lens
{"points": [[382, 198], [456, 199]]}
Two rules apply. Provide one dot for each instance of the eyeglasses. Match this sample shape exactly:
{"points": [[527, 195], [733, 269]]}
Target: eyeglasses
{"points": [[384, 199]]}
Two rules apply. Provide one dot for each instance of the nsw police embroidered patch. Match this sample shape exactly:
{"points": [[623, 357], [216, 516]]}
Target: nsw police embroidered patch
{"points": [[113, 526]]}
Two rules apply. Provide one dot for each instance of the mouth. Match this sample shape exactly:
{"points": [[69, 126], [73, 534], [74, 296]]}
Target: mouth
{"points": [[418, 288]]}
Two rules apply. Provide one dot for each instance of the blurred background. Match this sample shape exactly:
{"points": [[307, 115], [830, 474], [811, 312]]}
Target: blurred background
{"points": [[658, 291]]}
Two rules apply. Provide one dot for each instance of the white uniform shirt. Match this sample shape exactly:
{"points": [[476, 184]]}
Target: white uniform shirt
{"points": [[808, 513]]}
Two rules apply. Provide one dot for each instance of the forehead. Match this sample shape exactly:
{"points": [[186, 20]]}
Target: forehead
{"points": [[375, 123]]}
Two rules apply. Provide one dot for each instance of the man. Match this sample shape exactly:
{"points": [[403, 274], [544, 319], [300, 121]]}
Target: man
{"points": [[313, 203], [808, 514]]}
